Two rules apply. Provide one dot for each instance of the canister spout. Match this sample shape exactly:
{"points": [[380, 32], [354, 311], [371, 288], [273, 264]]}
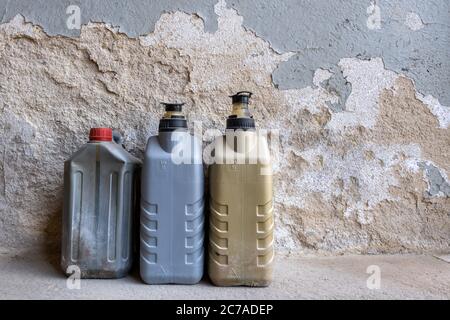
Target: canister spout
{"points": [[173, 118], [240, 117]]}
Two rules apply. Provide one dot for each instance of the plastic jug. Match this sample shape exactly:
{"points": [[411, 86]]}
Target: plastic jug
{"points": [[99, 205], [172, 204], [241, 209]]}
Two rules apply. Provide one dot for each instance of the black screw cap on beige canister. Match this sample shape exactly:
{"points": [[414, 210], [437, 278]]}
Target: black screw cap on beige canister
{"points": [[240, 117]]}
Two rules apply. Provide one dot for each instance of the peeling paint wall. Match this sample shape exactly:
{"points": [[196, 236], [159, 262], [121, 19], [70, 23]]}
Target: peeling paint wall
{"points": [[359, 89]]}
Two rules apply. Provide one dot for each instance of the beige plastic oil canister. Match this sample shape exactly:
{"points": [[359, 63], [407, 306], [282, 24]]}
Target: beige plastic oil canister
{"points": [[241, 204]]}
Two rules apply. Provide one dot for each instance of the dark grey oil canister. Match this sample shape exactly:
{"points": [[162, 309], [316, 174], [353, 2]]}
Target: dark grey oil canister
{"points": [[99, 203], [172, 204]]}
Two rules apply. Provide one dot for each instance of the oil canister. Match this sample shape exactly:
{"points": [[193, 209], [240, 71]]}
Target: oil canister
{"points": [[172, 204], [240, 249], [99, 206]]}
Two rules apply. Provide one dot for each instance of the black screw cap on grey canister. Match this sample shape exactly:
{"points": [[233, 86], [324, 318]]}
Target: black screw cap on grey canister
{"points": [[173, 119]]}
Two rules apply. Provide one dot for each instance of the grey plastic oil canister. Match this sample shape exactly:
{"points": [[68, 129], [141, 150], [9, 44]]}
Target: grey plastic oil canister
{"points": [[100, 181], [172, 204]]}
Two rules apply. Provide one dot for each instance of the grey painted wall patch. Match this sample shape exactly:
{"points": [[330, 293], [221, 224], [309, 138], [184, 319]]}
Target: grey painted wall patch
{"points": [[322, 32], [412, 36], [134, 17]]}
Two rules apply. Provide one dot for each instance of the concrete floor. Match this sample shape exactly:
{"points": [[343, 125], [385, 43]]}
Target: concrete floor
{"points": [[26, 276]]}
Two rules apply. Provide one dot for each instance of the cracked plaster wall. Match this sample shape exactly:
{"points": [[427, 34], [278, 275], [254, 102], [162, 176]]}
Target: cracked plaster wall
{"points": [[364, 149]]}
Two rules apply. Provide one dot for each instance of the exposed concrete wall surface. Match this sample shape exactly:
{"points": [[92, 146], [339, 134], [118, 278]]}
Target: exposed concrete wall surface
{"points": [[358, 89]]}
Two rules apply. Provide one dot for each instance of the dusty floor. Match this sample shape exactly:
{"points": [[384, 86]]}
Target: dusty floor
{"points": [[296, 277]]}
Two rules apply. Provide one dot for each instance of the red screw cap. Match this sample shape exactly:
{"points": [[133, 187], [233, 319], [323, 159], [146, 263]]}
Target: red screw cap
{"points": [[100, 134]]}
